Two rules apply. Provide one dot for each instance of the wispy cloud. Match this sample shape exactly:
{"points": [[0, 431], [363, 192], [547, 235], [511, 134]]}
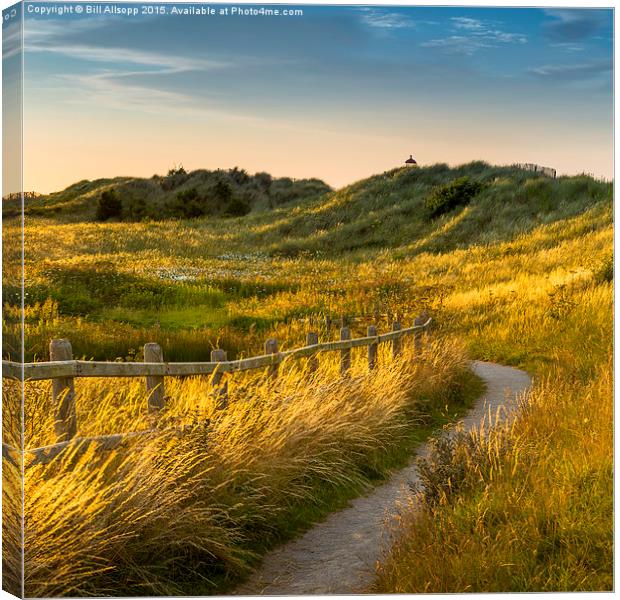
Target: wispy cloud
{"points": [[573, 72], [458, 44], [571, 25], [164, 63], [375, 17], [568, 46], [11, 40], [471, 35], [467, 23], [51, 37]]}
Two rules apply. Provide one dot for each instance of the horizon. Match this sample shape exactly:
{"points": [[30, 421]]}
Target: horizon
{"points": [[337, 94], [335, 188]]}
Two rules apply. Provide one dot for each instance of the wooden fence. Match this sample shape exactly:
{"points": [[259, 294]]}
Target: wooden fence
{"points": [[63, 371], [548, 171]]}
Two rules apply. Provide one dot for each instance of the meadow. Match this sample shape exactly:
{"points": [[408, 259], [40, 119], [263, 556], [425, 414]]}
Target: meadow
{"points": [[521, 275]]}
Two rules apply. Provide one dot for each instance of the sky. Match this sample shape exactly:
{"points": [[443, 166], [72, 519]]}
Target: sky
{"points": [[338, 92]]}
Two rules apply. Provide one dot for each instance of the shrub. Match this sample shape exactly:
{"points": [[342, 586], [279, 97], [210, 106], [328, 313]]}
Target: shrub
{"points": [[238, 208], [176, 176], [189, 204], [222, 192], [109, 206], [136, 209], [459, 192]]}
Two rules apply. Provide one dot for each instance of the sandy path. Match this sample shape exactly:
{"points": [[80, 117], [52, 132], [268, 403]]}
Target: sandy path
{"points": [[338, 555]]}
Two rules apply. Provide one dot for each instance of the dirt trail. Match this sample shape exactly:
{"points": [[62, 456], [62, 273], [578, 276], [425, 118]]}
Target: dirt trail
{"points": [[338, 555]]}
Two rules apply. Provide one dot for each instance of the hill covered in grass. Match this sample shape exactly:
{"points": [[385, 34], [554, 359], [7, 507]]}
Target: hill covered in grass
{"points": [[393, 210], [178, 194], [514, 267], [218, 275]]}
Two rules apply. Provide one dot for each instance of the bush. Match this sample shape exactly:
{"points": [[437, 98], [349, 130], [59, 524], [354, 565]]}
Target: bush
{"points": [[176, 176], [459, 192], [237, 208], [109, 206], [222, 192], [189, 204]]}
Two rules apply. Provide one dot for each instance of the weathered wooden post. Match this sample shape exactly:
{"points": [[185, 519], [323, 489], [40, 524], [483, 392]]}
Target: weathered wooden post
{"points": [[271, 347], [377, 315], [154, 383], [63, 394], [372, 348], [396, 342], [312, 339], [220, 391], [345, 353]]}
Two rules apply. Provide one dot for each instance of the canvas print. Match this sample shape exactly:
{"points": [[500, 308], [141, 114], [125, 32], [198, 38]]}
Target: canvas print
{"points": [[306, 299]]}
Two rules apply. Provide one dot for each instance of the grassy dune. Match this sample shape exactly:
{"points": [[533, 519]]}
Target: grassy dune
{"points": [[522, 275]]}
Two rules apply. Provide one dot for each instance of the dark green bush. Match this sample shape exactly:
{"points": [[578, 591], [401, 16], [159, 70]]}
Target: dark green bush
{"points": [[201, 193], [109, 206], [444, 198], [189, 204], [237, 208]]}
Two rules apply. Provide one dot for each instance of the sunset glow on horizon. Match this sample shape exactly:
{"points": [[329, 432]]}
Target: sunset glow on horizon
{"points": [[339, 93]]}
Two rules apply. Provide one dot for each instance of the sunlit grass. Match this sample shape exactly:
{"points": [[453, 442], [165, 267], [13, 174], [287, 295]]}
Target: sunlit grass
{"points": [[520, 277], [154, 514]]}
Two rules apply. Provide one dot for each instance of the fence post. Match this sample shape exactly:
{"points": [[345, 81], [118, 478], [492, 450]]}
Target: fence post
{"points": [[154, 383], [63, 394], [312, 339], [372, 348], [271, 347], [219, 391], [345, 353], [396, 342]]}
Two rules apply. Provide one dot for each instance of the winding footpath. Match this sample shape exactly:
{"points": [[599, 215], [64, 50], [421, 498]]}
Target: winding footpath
{"points": [[338, 555]]}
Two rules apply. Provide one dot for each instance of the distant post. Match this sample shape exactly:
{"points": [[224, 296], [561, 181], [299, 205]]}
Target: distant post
{"points": [[345, 353], [417, 335], [219, 391], [396, 342], [312, 339], [271, 347], [154, 383], [63, 394], [372, 348]]}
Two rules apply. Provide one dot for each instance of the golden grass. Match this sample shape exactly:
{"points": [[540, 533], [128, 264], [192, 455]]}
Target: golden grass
{"points": [[534, 512], [157, 512], [534, 509]]}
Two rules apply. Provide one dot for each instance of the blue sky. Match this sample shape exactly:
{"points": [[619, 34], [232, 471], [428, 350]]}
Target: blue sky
{"points": [[338, 93]]}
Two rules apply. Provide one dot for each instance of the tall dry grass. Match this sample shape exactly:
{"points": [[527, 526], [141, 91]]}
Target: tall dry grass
{"points": [[521, 276], [527, 507], [532, 511], [163, 511]]}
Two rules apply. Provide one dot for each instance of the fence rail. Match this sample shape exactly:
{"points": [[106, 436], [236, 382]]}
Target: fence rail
{"points": [[62, 370], [87, 368]]}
